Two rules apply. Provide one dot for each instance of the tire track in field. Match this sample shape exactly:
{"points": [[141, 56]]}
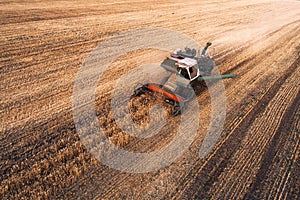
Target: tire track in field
{"points": [[246, 159], [276, 143], [277, 146], [228, 147], [233, 124]]}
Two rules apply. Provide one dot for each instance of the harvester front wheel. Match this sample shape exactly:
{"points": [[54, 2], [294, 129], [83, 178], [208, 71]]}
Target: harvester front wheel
{"points": [[178, 109]]}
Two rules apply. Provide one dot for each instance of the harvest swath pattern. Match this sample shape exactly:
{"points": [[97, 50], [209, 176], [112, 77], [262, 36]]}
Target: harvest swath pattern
{"points": [[44, 44]]}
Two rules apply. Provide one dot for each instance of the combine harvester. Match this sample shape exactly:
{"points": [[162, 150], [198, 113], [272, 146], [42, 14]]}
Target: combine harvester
{"points": [[186, 70]]}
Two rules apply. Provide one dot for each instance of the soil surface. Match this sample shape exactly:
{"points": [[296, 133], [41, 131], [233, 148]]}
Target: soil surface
{"points": [[43, 46]]}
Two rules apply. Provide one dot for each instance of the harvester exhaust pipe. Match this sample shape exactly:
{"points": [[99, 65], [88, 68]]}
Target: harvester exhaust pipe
{"points": [[205, 48]]}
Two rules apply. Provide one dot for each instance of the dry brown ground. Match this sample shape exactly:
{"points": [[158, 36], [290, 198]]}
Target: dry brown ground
{"points": [[43, 45]]}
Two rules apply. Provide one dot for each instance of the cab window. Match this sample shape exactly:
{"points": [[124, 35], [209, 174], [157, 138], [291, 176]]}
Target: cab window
{"points": [[185, 73], [193, 71]]}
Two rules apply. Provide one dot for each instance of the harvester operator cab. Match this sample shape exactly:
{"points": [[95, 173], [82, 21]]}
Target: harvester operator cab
{"points": [[187, 68], [188, 64]]}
